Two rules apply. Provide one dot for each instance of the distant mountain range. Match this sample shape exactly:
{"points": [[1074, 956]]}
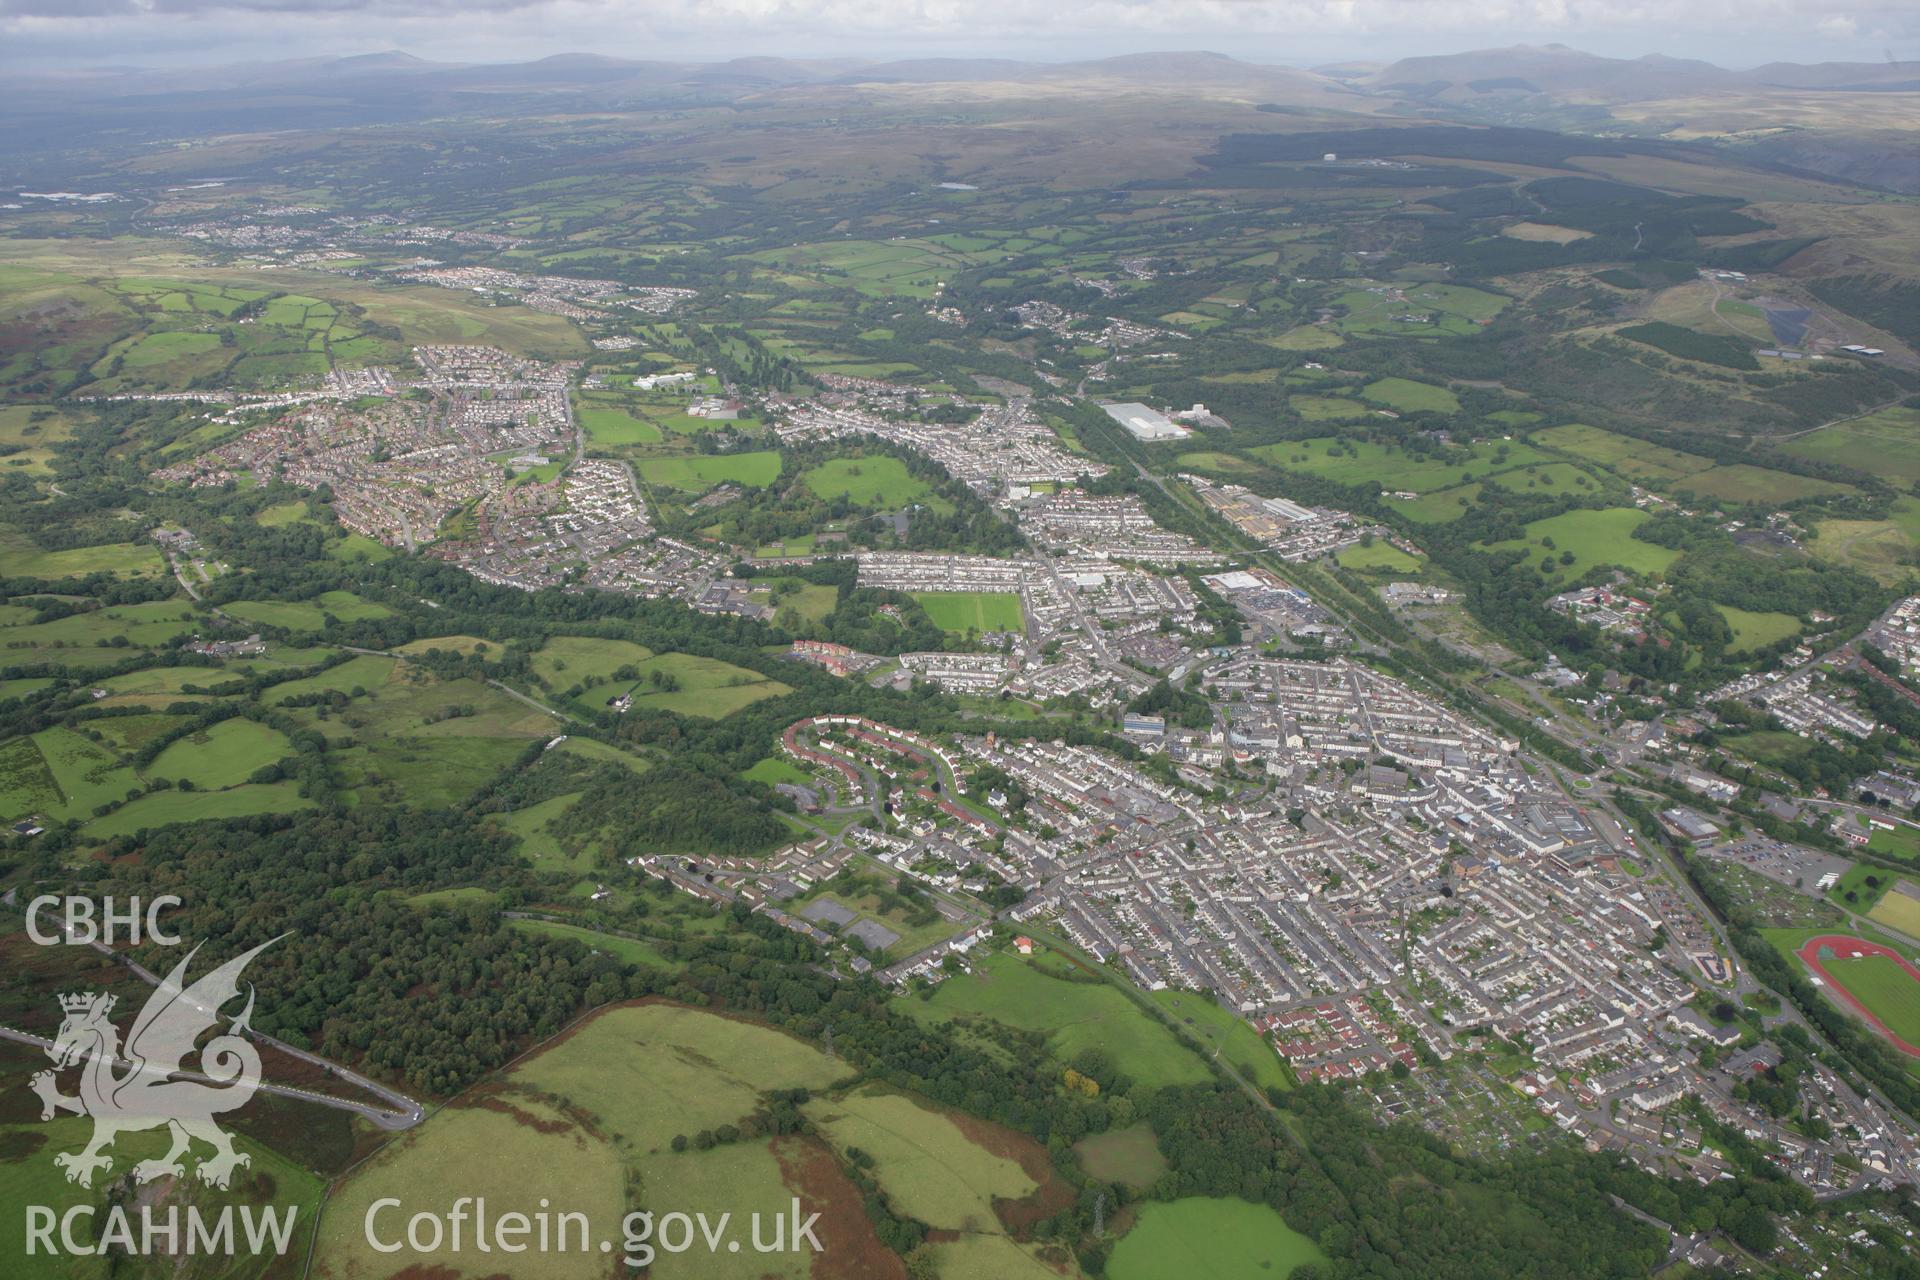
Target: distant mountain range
{"points": [[587, 70], [1556, 71], [1553, 69], [1849, 120]]}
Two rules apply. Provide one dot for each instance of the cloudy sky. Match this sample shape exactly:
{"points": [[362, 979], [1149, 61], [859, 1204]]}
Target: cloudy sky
{"points": [[48, 33]]}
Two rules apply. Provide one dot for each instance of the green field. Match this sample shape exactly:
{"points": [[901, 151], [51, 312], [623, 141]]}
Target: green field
{"points": [[1884, 549], [1903, 841], [1359, 462], [1440, 506], [701, 686], [1670, 470], [1408, 396], [1757, 630], [702, 1071], [164, 808], [1886, 988], [1899, 911], [870, 482], [1207, 1239], [124, 559], [282, 514], [611, 427], [775, 769], [269, 1179], [934, 1169], [593, 1112], [307, 616], [1379, 555], [1015, 990], [1227, 1035], [1741, 482], [539, 843], [1595, 537], [489, 651], [1424, 310], [1854, 882], [366, 672], [411, 738], [477, 1150], [1886, 444], [928, 1165], [1213, 460], [1327, 408], [589, 749], [221, 756], [702, 472], [1897, 908], [960, 612], [152, 624], [60, 774], [1549, 480], [1129, 1156], [563, 660], [1637, 460], [709, 688], [631, 950]]}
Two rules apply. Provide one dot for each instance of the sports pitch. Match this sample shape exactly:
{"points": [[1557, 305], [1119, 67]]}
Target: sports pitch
{"points": [[1874, 980]]}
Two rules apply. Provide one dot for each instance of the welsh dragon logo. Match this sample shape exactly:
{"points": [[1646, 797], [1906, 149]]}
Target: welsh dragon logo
{"points": [[157, 1088]]}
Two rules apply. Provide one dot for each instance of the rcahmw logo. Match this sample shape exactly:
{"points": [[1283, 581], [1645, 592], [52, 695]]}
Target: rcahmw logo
{"points": [[146, 1083]]}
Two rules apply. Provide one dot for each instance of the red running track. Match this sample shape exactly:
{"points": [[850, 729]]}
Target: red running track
{"points": [[1844, 946]]}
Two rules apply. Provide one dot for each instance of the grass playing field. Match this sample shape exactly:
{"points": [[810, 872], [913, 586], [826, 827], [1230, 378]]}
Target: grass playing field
{"points": [[1206, 1239], [1886, 987], [1898, 910], [964, 611], [777, 769]]}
